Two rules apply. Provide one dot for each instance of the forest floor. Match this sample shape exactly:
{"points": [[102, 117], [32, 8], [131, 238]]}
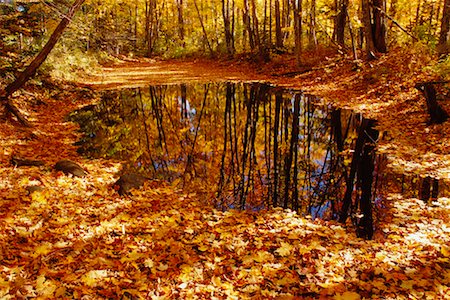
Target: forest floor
{"points": [[77, 238]]}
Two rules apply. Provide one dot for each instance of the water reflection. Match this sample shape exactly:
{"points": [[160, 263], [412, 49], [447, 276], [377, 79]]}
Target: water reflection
{"points": [[245, 146]]}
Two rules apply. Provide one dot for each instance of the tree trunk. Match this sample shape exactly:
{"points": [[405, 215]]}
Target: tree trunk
{"points": [[341, 18], [227, 26], [180, 21], [151, 26], [437, 114], [425, 189], [278, 101], [443, 46], [259, 45], [435, 189], [278, 33], [297, 10], [365, 174], [379, 25], [248, 24], [367, 25], [36, 63], [312, 33], [347, 201]]}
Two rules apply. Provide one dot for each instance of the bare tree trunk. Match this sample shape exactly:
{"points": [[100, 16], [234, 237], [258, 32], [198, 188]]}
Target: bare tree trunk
{"points": [[367, 23], [443, 46], [340, 22], [437, 114], [278, 33], [36, 63], [312, 35], [151, 26], [379, 25], [365, 170], [227, 26], [352, 36], [261, 48], [297, 10], [180, 21], [136, 14], [286, 17], [248, 24], [359, 146]]}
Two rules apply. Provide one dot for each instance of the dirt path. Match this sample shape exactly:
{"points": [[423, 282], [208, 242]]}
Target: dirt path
{"points": [[134, 74], [383, 90]]}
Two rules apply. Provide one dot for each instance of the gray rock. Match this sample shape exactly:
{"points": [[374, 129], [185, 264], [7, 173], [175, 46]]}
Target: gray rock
{"points": [[70, 167], [20, 162], [129, 181], [34, 188]]}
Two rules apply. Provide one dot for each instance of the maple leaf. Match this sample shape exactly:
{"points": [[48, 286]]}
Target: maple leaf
{"points": [[445, 251], [45, 287], [347, 296], [285, 249], [91, 278]]}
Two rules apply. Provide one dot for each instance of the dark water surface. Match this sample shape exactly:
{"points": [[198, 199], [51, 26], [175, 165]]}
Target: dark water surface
{"points": [[238, 145]]}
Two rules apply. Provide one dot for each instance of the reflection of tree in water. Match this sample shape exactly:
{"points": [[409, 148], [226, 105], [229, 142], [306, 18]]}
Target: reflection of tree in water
{"points": [[247, 146]]}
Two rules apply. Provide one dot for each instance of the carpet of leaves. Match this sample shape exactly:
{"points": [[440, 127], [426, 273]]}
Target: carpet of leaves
{"points": [[79, 239]]}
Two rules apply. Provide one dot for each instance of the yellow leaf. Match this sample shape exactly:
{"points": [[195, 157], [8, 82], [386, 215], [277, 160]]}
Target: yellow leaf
{"points": [[149, 263], [91, 278], [203, 248], [163, 267], [262, 256], [132, 256], [216, 281], [42, 249], [185, 273], [347, 296], [45, 287], [38, 198], [407, 284], [445, 251], [285, 249]]}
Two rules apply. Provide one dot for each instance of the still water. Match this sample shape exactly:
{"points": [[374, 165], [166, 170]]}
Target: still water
{"points": [[237, 145]]}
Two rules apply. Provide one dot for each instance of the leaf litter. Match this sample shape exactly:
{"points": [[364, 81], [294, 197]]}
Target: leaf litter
{"points": [[77, 238]]}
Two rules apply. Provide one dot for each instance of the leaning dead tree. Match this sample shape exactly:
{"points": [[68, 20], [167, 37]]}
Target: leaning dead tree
{"points": [[30, 71]]}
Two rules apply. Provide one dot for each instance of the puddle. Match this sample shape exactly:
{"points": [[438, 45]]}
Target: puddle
{"points": [[247, 146]]}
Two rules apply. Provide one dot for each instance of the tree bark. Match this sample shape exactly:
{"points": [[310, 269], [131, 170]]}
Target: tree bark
{"points": [[297, 10], [367, 25], [278, 33], [180, 21], [30, 71], [437, 114], [347, 201], [443, 46], [379, 25], [425, 189], [227, 26], [341, 17], [365, 174], [312, 26]]}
